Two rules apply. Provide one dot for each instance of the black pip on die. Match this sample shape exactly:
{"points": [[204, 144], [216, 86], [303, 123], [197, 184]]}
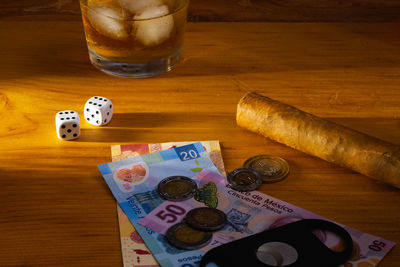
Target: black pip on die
{"points": [[98, 110], [67, 125]]}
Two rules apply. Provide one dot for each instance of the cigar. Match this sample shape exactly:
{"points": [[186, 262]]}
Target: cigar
{"points": [[327, 140]]}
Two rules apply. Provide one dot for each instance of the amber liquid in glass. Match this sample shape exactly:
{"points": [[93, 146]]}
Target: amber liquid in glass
{"points": [[115, 34]]}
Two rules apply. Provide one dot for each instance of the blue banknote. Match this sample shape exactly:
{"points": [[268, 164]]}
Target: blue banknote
{"points": [[133, 182]]}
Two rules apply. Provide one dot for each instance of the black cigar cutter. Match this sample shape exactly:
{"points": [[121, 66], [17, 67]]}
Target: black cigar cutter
{"points": [[291, 245]]}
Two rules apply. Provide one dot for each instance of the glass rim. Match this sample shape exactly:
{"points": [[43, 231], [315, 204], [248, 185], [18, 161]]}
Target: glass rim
{"points": [[184, 4]]}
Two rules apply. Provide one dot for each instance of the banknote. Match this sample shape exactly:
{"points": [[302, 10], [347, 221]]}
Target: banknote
{"points": [[134, 250], [132, 182], [120, 152], [252, 212], [368, 250]]}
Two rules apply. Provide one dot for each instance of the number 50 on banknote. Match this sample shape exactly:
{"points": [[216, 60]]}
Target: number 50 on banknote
{"points": [[137, 197]]}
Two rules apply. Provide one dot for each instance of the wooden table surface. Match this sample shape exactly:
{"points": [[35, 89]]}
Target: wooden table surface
{"points": [[338, 60]]}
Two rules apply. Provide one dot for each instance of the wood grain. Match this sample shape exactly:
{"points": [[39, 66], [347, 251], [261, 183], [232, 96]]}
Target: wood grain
{"points": [[57, 210], [231, 10]]}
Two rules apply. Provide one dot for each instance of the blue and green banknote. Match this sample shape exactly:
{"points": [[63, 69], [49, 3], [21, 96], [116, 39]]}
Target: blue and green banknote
{"points": [[133, 182]]}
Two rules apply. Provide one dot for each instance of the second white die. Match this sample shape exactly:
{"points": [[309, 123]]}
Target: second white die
{"points": [[98, 111], [67, 125]]}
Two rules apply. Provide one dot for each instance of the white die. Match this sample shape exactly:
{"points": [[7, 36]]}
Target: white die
{"points": [[98, 110], [67, 125]]}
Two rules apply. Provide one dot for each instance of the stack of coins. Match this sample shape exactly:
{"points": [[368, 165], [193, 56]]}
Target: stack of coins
{"points": [[182, 236], [272, 169], [206, 219], [257, 170], [244, 179], [196, 229]]}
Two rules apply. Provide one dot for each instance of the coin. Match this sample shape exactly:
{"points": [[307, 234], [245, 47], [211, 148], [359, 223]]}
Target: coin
{"points": [[183, 236], [272, 169], [206, 219], [244, 179], [177, 188]]}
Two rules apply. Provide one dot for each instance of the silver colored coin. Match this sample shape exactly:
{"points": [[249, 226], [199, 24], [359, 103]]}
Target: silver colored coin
{"points": [[244, 179], [183, 236], [177, 188], [272, 169], [206, 219]]}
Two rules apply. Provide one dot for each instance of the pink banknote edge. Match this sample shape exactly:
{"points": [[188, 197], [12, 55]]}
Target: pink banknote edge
{"points": [[134, 251], [158, 221]]}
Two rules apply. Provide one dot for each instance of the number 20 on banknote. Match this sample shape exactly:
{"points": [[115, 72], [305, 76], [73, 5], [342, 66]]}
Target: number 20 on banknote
{"points": [[187, 152]]}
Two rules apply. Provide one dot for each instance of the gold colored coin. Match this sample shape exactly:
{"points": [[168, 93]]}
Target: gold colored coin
{"points": [[204, 216], [272, 169], [177, 188], [206, 219], [183, 236], [244, 179], [187, 234]]}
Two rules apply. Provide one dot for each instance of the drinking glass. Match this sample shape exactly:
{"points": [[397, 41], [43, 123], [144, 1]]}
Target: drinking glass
{"points": [[134, 38]]}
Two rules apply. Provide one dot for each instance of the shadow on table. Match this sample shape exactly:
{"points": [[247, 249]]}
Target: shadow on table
{"points": [[111, 135], [59, 49], [143, 119], [54, 51], [131, 127], [165, 120]]}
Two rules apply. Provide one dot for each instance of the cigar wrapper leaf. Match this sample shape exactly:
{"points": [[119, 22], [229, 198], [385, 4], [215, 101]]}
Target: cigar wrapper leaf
{"points": [[327, 140]]}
